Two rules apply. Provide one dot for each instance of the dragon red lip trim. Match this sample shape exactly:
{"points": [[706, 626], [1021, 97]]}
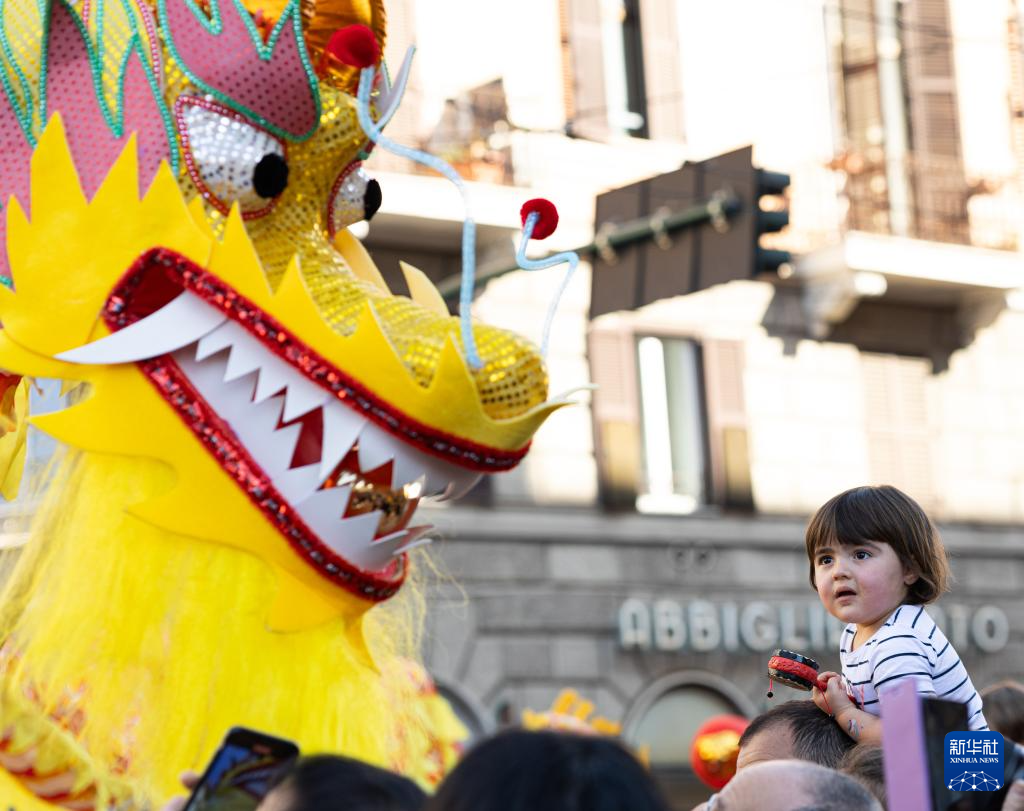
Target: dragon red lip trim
{"points": [[182, 273], [232, 456]]}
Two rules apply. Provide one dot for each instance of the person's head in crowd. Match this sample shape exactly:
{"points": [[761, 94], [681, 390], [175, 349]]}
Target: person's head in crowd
{"points": [[334, 783], [1003, 706], [547, 771], [794, 730], [791, 785], [865, 764]]}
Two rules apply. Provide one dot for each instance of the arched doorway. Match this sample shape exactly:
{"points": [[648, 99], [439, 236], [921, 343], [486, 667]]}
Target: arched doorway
{"points": [[664, 719]]}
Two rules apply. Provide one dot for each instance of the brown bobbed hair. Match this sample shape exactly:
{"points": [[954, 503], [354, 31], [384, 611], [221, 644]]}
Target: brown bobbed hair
{"points": [[1003, 706], [887, 515]]}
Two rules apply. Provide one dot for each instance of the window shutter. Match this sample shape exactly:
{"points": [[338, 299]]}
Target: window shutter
{"points": [[1015, 49], [862, 112], [937, 168], [897, 429], [662, 70], [616, 411], [585, 102], [727, 423]]}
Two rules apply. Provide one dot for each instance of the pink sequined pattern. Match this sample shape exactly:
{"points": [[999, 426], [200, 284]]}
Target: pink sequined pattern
{"points": [[71, 92], [15, 152], [276, 91]]}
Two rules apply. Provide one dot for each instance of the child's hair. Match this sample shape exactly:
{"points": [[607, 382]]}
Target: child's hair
{"points": [[891, 516]]}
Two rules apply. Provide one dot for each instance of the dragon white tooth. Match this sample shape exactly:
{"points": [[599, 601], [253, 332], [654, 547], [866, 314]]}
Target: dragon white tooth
{"points": [[382, 550], [410, 545], [341, 429], [220, 338], [274, 451], [229, 400], [297, 484], [178, 323], [438, 475], [246, 356], [375, 447], [274, 376], [462, 484], [351, 539], [302, 396], [322, 510], [408, 534], [407, 466]]}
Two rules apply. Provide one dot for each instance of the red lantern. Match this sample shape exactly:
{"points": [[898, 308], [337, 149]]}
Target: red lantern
{"points": [[715, 748]]}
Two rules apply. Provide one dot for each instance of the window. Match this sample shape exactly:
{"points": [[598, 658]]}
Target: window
{"points": [[673, 469], [623, 66]]}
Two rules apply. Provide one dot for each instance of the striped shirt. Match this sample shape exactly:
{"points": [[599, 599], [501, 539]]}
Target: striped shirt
{"points": [[908, 646]]}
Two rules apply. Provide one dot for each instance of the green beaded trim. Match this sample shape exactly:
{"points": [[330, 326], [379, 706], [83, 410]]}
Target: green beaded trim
{"points": [[22, 111], [214, 25], [115, 118]]}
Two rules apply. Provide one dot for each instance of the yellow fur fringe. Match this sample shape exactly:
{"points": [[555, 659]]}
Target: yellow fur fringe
{"points": [[128, 652]]}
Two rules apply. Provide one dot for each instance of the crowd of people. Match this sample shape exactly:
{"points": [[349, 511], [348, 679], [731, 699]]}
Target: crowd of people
{"points": [[791, 758]]}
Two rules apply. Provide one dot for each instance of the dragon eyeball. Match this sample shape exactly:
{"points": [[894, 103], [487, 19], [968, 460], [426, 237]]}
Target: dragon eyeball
{"points": [[230, 159], [355, 196]]}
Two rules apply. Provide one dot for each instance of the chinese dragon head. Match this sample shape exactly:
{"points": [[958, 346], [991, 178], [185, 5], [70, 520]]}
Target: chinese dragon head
{"points": [[254, 415]]}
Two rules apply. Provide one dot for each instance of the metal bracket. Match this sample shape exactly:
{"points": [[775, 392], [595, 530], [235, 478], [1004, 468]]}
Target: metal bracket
{"points": [[603, 244], [716, 210], [658, 231]]}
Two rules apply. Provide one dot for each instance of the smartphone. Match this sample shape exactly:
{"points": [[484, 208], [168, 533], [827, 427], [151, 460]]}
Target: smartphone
{"points": [[242, 772]]}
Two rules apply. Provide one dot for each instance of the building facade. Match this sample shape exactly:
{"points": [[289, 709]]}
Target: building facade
{"points": [[649, 551]]}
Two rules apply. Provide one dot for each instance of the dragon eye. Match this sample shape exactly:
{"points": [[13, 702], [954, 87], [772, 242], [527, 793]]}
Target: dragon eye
{"points": [[230, 159], [354, 197]]}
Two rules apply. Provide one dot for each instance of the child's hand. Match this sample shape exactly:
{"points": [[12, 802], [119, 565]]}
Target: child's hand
{"points": [[834, 699]]}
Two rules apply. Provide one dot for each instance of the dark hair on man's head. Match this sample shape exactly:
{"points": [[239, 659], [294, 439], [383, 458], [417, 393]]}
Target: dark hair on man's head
{"points": [[833, 791], [1003, 708], [547, 771], [335, 783], [887, 515], [866, 764], [816, 737]]}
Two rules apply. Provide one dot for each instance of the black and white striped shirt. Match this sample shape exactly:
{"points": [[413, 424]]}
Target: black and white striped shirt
{"points": [[908, 646]]}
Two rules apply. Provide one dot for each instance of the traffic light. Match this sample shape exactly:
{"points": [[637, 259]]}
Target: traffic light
{"points": [[717, 250], [736, 251], [770, 220]]}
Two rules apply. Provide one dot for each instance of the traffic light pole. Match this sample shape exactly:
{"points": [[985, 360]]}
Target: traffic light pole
{"points": [[717, 210]]}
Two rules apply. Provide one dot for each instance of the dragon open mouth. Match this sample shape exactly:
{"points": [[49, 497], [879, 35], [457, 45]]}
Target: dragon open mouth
{"points": [[318, 455]]}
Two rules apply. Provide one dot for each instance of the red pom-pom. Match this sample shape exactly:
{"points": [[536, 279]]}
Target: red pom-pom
{"points": [[354, 45], [547, 216]]}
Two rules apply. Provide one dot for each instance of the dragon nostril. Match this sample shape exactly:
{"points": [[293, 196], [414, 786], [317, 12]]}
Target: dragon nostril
{"points": [[372, 199], [270, 177]]}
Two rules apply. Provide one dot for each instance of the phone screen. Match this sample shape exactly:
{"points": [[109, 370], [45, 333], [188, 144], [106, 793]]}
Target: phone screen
{"points": [[242, 772]]}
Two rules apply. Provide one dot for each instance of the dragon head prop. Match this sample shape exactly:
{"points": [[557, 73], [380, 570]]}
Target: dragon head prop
{"points": [[177, 185], [254, 416]]}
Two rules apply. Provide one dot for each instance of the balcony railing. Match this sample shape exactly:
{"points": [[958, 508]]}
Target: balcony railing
{"points": [[934, 201]]}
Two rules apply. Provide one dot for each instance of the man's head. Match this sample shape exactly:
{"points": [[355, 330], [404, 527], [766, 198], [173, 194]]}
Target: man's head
{"points": [[792, 785], [796, 729]]}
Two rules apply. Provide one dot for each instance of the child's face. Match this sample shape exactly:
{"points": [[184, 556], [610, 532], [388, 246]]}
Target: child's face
{"points": [[861, 583]]}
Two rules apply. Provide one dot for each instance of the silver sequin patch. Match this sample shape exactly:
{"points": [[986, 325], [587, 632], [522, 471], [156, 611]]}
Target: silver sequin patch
{"points": [[348, 197], [222, 151]]}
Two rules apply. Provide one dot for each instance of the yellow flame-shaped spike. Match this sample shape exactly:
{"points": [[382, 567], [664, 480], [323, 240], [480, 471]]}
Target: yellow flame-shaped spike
{"points": [[359, 260], [422, 290]]}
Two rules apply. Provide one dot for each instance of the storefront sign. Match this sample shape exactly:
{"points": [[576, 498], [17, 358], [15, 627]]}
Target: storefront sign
{"points": [[702, 626]]}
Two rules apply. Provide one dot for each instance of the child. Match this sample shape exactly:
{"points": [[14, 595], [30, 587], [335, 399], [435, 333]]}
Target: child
{"points": [[876, 561]]}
